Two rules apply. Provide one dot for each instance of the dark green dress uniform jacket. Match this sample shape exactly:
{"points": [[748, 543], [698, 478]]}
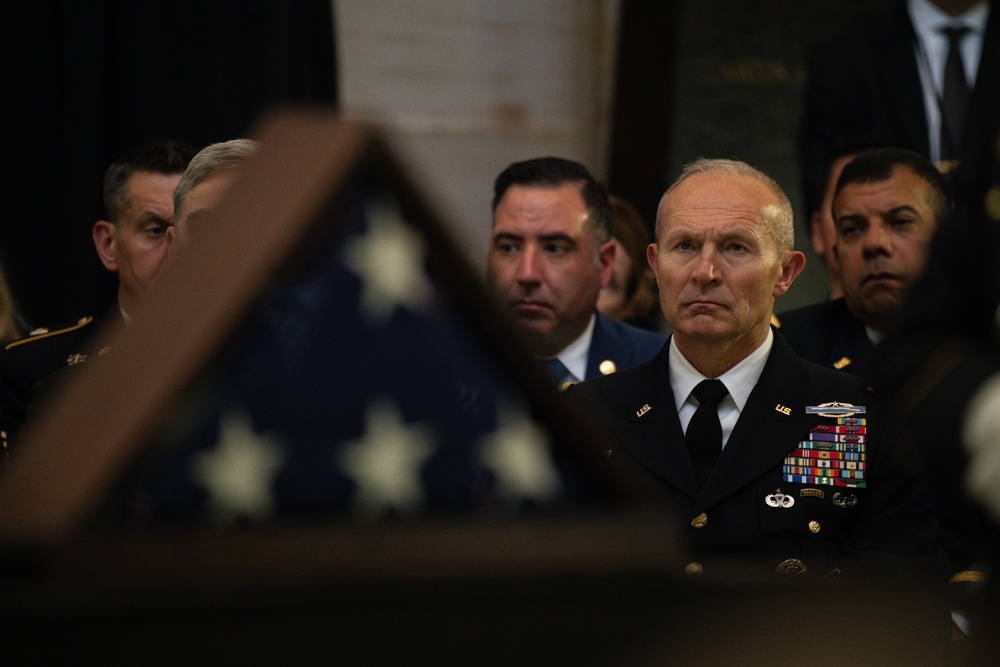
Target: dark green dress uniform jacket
{"points": [[25, 362], [743, 511], [828, 334]]}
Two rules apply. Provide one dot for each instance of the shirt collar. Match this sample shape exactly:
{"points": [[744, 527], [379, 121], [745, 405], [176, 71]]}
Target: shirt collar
{"points": [[574, 355], [739, 380], [927, 18]]}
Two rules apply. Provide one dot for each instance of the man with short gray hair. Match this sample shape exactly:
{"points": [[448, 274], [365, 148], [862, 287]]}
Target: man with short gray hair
{"points": [[764, 454], [206, 181]]}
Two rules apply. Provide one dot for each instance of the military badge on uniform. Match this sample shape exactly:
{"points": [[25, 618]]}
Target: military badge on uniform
{"points": [[845, 499], [835, 409], [778, 499], [834, 453]]}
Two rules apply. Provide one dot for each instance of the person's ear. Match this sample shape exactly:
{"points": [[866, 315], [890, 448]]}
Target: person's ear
{"points": [[104, 235], [651, 259], [816, 234], [606, 261], [791, 266]]}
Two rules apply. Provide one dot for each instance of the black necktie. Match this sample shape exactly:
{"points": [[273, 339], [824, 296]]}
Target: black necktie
{"points": [[955, 95], [704, 433]]}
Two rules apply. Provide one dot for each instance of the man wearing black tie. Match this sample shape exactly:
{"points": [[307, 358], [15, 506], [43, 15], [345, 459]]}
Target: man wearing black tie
{"points": [[922, 75], [765, 456]]}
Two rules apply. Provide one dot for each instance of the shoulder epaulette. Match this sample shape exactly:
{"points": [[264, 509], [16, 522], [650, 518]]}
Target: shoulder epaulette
{"points": [[43, 332], [775, 321]]}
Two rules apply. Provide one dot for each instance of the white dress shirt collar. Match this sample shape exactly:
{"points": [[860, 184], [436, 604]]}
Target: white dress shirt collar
{"points": [[574, 356], [739, 380]]}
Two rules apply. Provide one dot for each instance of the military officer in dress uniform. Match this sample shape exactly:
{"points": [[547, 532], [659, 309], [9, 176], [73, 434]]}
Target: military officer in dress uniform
{"points": [[550, 255], [887, 205], [138, 200], [764, 455]]}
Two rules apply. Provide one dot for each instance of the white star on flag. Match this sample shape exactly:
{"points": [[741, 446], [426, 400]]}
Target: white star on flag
{"points": [[388, 260], [518, 452], [237, 473], [387, 460]]}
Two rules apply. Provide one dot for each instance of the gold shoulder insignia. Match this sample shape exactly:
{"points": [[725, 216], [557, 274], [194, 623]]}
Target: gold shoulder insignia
{"points": [[42, 332], [775, 321], [842, 363]]}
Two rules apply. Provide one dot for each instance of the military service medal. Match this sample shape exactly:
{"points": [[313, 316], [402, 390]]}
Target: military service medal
{"points": [[834, 453]]}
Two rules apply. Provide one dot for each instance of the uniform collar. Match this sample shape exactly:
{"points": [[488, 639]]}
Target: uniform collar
{"points": [[739, 380]]}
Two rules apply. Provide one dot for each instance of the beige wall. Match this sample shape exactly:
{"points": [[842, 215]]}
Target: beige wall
{"points": [[468, 86]]}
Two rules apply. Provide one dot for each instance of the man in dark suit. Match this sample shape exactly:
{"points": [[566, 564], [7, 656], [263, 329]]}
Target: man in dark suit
{"points": [[886, 78], [786, 462], [887, 205], [138, 201], [550, 255]]}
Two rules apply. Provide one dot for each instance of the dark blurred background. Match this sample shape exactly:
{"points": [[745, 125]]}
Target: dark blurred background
{"points": [[85, 81]]}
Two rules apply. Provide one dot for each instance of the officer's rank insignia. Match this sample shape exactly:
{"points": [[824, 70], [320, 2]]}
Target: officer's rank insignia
{"points": [[833, 453]]}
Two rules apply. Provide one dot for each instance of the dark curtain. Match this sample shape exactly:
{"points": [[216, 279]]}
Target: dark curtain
{"points": [[643, 104], [88, 80]]}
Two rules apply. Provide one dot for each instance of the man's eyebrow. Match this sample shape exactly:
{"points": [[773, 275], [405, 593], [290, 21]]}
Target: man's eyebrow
{"points": [[558, 236], [152, 216], [848, 216], [903, 208]]}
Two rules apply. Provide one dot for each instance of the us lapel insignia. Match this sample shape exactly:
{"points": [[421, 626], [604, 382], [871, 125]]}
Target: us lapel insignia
{"points": [[643, 410], [842, 363], [785, 410]]}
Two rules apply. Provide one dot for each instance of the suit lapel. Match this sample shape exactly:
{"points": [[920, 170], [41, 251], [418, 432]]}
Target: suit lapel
{"points": [[986, 94], [652, 432], [604, 345]]}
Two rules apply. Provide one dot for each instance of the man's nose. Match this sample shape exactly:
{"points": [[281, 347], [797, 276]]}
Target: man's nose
{"points": [[704, 272], [529, 266], [877, 240]]}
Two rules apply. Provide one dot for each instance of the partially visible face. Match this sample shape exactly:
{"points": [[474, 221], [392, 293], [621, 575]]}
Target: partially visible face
{"points": [[613, 298], [717, 264], [545, 264], [199, 203], [884, 231], [823, 228], [138, 241]]}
